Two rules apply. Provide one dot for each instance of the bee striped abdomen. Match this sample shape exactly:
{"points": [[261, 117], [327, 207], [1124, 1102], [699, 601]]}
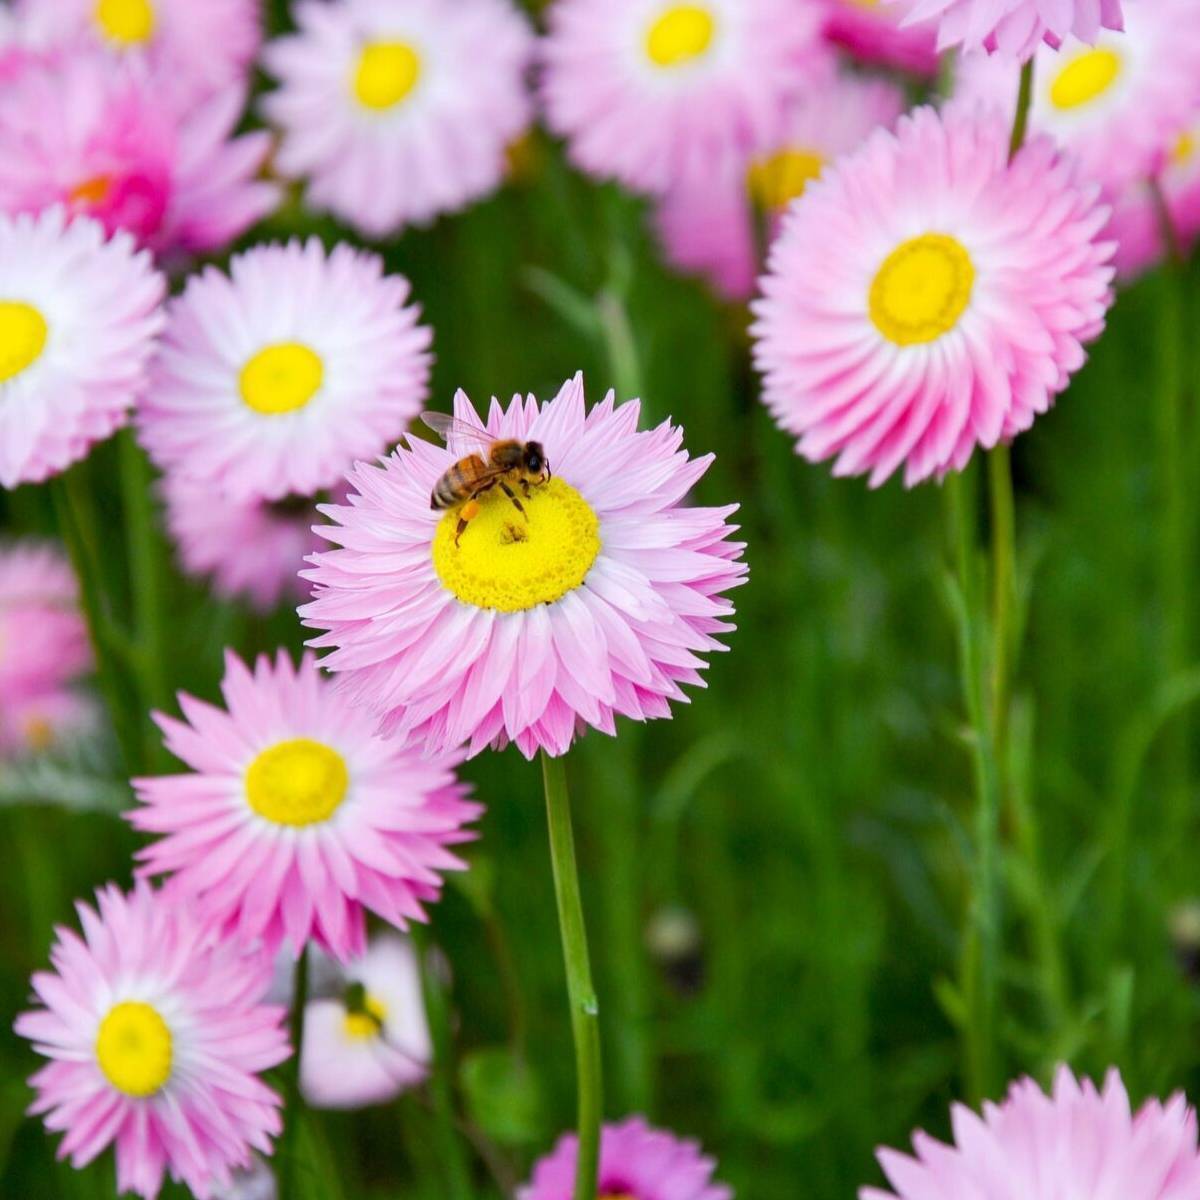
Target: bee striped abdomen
{"points": [[458, 483]]}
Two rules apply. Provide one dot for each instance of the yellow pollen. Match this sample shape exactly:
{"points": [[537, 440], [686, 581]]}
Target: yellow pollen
{"points": [[23, 333], [682, 33], [363, 1025], [776, 181], [1085, 77], [386, 73], [281, 378], [297, 783], [133, 1048], [506, 562], [91, 191], [1183, 150], [129, 22], [922, 289]]}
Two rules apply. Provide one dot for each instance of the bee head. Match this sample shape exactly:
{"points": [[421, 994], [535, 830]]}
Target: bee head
{"points": [[534, 460]]}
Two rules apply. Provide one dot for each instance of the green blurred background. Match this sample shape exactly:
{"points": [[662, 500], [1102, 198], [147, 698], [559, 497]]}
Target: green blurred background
{"points": [[777, 879]]}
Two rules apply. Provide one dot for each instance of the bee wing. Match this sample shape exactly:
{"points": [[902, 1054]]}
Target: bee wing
{"points": [[455, 433]]}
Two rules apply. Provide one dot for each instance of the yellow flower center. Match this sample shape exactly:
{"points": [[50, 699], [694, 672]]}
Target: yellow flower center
{"points": [[39, 733], [91, 191], [1085, 77], [922, 289], [297, 783], [776, 181], [281, 378], [129, 22], [682, 33], [23, 332], [1184, 150], [363, 1025], [509, 562], [386, 73], [133, 1048]]}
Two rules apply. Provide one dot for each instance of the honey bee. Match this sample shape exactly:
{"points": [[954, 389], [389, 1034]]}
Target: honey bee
{"points": [[503, 462]]}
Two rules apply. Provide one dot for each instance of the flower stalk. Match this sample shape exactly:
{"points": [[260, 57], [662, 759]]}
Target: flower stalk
{"points": [[585, 1009]]}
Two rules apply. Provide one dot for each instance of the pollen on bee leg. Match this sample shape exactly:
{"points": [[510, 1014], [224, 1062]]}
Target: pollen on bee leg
{"points": [[470, 510]]}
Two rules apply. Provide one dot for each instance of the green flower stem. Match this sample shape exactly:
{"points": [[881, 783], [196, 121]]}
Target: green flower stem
{"points": [[146, 586], [1004, 597], [1020, 124], [451, 1153], [72, 510], [585, 1011], [289, 1145], [981, 946]]}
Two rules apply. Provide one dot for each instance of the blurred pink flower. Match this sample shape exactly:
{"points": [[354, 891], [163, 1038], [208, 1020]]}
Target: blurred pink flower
{"points": [[708, 227], [371, 1055], [660, 95], [396, 113], [925, 296], [1119, 106], [252, 549], [874, 32], [297, 817], [635, 1162], [79, 318], [599, 600], [1075, 1142], [156, 1032], [272, 380], [192, 50], [1015, 28], [93, 134]]}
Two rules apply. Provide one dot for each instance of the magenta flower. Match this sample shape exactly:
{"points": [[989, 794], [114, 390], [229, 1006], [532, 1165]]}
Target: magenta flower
{"points": [[156, 1034], [636, 1163], [396, 113], [79, 319], [660, 95], [264, 400], [192, 50], [1076, 1142], [95, 136], [1015, 27], [297, 817], [529, 628], [925, 296], [875, 33]]}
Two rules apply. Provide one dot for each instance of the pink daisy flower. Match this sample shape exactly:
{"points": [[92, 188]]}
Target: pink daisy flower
{"points": [[97, 137], [875, 32], [1119, 106], [1015, 27], [1136, 221], [297, 817], [372, 1042], [251, 550], [274, 378], [658, 94], [1074, 1142], [528, 628], [156, 1034], [709, 227], [79, 317], [925, 296], [636, 1163], [193, 51], [396, 113], [40, 720]]}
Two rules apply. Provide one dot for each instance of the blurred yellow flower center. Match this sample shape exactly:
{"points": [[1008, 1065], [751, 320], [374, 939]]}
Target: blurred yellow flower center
{"points": [[133, 1048], [23, 333], [776, 181], [39, 733], [509, 562], [1085, 77], [922, 289], [297, 783], [364, 1025], [682, 33], [281, 378], [1184, 150], [127, 21], [91, 191], [386, 73]]}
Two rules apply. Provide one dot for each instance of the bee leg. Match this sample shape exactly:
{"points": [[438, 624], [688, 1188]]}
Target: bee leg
{"points": [[513, 497], [525, 487], [466, 515]]}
